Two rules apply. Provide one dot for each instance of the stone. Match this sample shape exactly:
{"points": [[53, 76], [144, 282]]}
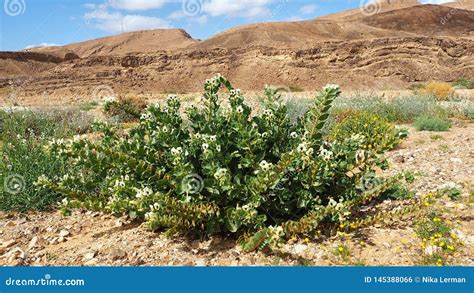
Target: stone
{"points": [[8, 244], [10, 224], [90, 255], [33, 243], [116, 254], [91, 262], [299, 248], [200, 262], [64, 233]]}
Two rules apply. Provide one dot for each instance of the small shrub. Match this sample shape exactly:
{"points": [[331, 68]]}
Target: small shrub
{"points": [[464, 84], [416, 87], [441, 91], [438, 239], [296, 88], [126, 108], [377, 133], [432, 123], [450, 190], [296, 108], [399, 110]]}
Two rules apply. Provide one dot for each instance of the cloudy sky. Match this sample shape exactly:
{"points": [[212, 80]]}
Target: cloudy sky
{"points": [[26, 23]]}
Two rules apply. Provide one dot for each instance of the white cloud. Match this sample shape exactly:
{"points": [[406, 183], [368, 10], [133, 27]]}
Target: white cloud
{"points": [[308, 9], [136, 4], [242, 8], [116, 22], [42, 45]]}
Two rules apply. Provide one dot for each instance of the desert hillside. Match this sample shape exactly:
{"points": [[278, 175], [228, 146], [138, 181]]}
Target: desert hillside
{"points": [[389, 49]]}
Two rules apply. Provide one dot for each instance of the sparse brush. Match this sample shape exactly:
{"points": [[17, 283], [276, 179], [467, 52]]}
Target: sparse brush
{"points": [[463, 83], [432, 123], [125, 108], [440, 90], [23, 136], [378, 133]]}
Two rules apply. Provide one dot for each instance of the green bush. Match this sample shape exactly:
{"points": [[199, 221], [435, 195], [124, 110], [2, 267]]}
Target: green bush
{"points": [[464, 83], [399, 110], [221, 170], [432, 123], [450, 190], [22, 139], [378, 134]]}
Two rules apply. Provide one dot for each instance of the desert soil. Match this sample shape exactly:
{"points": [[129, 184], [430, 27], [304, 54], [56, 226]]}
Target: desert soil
{"points": [[95, 239]]}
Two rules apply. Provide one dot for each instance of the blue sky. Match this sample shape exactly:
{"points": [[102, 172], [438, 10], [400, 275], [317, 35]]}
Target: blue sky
{"points": [[26, 23]]}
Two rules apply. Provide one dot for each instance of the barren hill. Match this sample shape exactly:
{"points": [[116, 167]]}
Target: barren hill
{"points": [[134, 42], [403, 43], [428, 20]]}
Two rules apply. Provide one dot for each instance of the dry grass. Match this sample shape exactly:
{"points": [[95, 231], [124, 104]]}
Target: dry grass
{"points": [[442, 91]]}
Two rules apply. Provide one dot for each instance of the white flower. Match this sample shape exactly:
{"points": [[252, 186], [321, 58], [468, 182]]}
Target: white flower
{"points": [[301, 148], [145, 116], [332, 87], [205, 146], [143, 192], [109, 99], [213, 138], [293, 135], [220, 173], [265, 165], [265, 135], [218, 148], [164, 129], [176, 151], [326, 154], [240, 109]]}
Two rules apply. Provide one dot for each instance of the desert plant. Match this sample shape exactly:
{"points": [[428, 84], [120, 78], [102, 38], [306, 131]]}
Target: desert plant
{"points": [[378, 133], [463, 83], [23, 136], [440, 90], [221, 170], [451, 190], [432, 123], [126, 108], [438, 238]]}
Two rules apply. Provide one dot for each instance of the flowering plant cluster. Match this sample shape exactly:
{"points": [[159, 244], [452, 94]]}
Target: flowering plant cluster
{"points": [[379, 134], [221, 169]]}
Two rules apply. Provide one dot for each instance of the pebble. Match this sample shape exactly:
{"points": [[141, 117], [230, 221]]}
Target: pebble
{"points": [[64, 233], [32, 243], [90, 255], [117, 254]]}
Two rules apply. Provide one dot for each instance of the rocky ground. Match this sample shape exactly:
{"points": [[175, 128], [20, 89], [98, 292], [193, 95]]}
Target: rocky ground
{"points": [[94, 239]]}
